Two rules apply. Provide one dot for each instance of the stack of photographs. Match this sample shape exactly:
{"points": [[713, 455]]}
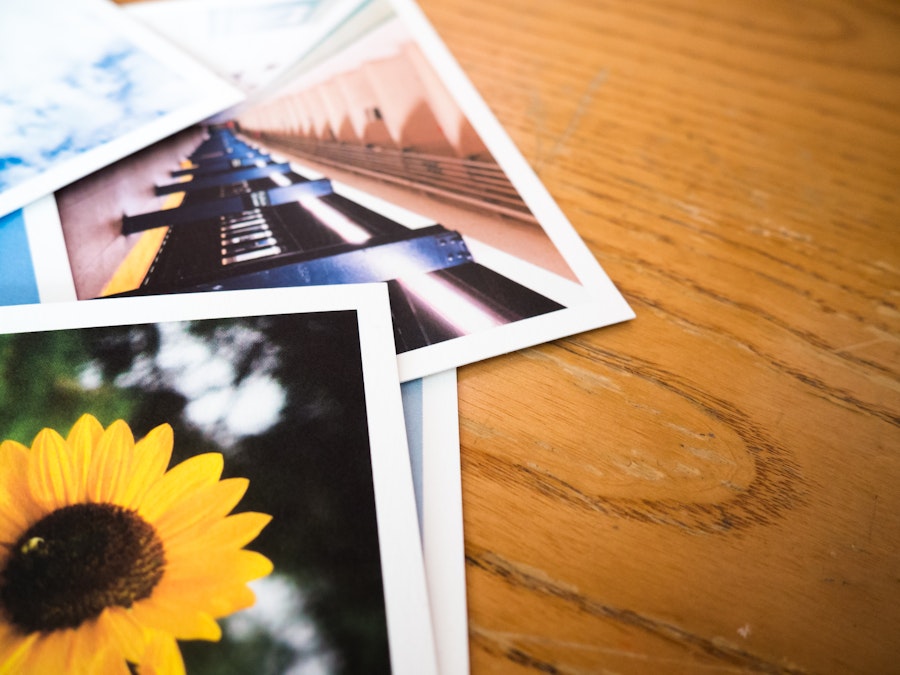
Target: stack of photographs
{"points": [[244, 245]]}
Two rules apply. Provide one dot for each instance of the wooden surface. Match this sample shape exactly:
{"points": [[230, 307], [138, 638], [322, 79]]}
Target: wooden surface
{"points": [[712, 487]]}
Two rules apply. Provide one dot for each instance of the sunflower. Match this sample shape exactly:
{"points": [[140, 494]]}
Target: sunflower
{"points": [[107, 559]]}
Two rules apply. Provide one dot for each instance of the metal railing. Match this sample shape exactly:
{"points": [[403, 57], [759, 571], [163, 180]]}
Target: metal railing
{"points": [[473, 182]]}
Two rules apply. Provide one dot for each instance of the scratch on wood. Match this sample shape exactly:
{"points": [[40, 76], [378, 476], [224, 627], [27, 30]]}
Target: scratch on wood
{"points": [[580, 110], [872, 519], [863, 345], [820, 387], [501, 643], [727, 654]]}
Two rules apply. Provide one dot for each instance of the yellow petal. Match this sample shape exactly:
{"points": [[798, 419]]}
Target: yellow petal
{"points": [[51, 476], [86, 431], [227, 534], [111, 463], [14, 648], [229, 600], [85, 644], [152, 455], [51, 653], [217, 600], [216, 588], [198, 592], [252, 565], [12, 451], [173, 617], [162, 656], [122, 631], [92, 652], [206, 505], [82, 438], [235, 566], [192, 474], [108, 662], [18, 510]]}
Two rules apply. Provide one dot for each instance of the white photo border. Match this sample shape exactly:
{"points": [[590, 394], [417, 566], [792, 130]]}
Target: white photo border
{"points": [[593, 303], [410, 634]]}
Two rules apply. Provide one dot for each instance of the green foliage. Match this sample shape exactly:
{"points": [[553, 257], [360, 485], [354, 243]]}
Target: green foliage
{"points": [[42, 384]]}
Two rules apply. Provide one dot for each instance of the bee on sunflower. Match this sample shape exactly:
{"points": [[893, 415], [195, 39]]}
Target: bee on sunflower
{"points": [[107, 558]]}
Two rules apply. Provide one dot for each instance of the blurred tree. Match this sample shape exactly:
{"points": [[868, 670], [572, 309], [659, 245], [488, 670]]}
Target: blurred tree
{"points": [[46, 380]]}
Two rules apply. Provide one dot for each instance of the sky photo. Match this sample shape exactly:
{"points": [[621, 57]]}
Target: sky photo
{"points": [[71, 82], [272, 33]]}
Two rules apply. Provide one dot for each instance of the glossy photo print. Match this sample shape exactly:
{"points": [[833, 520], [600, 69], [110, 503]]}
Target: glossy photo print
{"points": [[84, 85], [432, 428], [18, 285], [370, 159], [199, 495], [272, 34]]}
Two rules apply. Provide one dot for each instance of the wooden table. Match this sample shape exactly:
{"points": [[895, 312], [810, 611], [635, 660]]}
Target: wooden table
{"points": [[712, 487]]}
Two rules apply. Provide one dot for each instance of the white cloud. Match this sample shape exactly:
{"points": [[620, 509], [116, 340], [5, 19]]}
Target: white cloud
{"points": [[204, 372], [256, 405], [279, 611], [71, 83]]}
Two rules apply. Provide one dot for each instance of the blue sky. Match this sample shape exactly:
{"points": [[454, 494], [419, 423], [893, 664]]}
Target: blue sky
{"points": [[17, 283], [71, 82]]}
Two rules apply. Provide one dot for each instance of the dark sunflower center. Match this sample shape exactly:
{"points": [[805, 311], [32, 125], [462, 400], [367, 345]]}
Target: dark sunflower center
{"points": [[75, 562]]}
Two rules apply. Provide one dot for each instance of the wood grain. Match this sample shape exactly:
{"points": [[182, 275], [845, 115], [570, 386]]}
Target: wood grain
{"points": [[713, 486]]}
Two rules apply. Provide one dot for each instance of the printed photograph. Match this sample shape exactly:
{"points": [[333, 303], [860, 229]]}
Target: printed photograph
{"points": [[357, 164], [432, 429], [192, 496], [271, 34], [90, 86]]}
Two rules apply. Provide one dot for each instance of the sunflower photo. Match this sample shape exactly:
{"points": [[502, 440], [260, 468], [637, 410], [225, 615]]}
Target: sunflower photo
{"points": [[198, 495]]}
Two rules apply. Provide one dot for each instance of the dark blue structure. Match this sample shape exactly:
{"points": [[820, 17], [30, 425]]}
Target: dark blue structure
{"points": [[246, 221]]}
